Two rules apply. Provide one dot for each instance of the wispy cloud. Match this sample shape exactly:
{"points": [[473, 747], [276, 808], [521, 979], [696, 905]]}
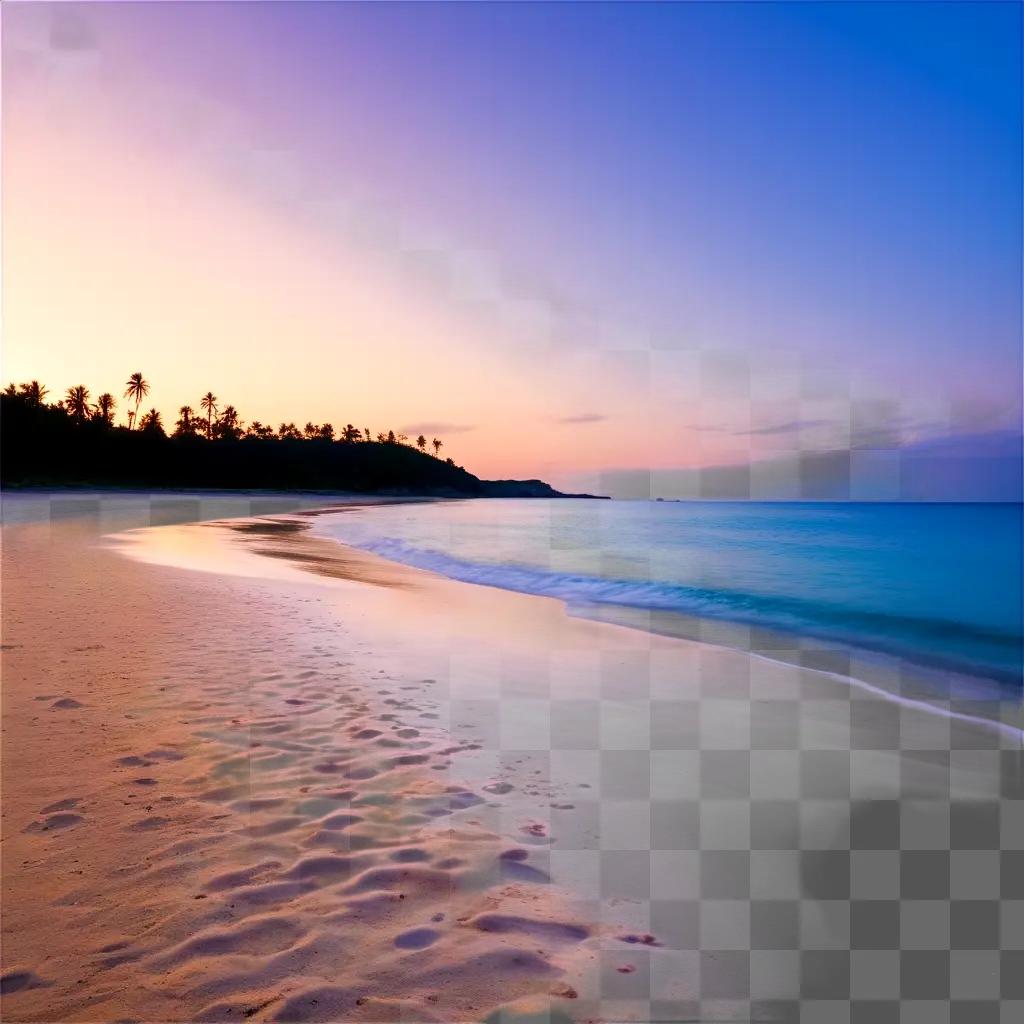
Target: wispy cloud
{"points": [[789, 427], [786, 428], [586, 417], [436, 428]]}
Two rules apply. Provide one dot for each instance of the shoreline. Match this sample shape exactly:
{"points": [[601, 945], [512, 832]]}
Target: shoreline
{"points": [[836, 648], [958, 691], [593, 766]]}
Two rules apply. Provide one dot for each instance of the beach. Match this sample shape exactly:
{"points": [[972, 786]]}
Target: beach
{"points": [[250, 773]]}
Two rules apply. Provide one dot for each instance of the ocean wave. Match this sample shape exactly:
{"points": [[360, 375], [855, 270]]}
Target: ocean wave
{"points": [[905, 635]]}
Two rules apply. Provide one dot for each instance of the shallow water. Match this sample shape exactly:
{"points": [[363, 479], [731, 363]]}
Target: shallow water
{"points": [[936, 584]]}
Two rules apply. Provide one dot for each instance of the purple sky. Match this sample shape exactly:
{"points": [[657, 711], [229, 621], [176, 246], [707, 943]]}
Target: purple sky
{"points": [[579, 240]]}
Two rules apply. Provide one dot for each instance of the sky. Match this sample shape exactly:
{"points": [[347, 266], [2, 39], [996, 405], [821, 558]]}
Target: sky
{"points": [[688, 250]]}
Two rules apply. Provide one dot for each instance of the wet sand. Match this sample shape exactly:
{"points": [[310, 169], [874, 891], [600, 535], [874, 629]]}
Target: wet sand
{"points": [[307, 784]]}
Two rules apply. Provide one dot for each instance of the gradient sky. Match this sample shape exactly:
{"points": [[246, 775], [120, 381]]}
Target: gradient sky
{"points": [[574, 241]]}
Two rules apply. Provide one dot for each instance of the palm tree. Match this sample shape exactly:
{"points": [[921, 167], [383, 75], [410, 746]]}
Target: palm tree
{"points": [[186, 425], [138, 388], [33, 392], [437, 443], [310, 430], [288, 431], [229, 427], [351, 434], [104, 409], [209, 404], [367, 436], [151, 422], [326, 432], [421, 443], [76, 401]]}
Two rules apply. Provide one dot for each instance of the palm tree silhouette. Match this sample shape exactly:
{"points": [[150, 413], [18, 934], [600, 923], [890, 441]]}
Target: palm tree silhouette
{"points": [[209, 404], [138, 388], [186, 421], [76, 401], [151, 422], [437, 443], [228, 424], [421, 443], [33, 392], [105, 408]]}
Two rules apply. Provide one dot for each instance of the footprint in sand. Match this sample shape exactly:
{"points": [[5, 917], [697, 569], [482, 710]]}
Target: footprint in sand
{"points": [[410, 856], [55, 823], [133, 762], [450, 863], [244, 876], [148, 824], [337, 822], [512, 923], [408, 759], [16, 980], [417, 938], [61, 805], [463, 799]]}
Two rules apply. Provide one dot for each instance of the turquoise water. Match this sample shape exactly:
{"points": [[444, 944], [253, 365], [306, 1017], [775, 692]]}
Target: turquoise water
{"points": [[937, 584]]}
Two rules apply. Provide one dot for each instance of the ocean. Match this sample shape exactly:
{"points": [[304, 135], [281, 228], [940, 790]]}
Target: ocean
{"points": [[939, 585]]}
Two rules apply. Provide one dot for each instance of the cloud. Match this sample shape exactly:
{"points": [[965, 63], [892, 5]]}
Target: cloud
{"points": [[786, 428], [436, 428], [789, 427], [586, 417]]}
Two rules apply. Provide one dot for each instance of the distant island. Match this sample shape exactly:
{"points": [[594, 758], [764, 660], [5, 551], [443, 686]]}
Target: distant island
{"points": [[75, 441]]}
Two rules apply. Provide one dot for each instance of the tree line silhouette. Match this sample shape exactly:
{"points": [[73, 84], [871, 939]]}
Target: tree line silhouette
{"points": [[218, 424], [76, 441]]}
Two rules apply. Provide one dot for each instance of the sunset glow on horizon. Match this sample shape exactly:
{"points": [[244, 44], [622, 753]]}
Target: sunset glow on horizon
{"points": [[526, 230]]}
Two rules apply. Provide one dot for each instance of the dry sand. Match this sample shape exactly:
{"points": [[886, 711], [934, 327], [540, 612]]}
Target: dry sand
{"points": [[320, 786], [207, 817]]}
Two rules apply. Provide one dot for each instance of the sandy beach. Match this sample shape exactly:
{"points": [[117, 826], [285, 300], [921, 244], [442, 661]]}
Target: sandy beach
{"points": [[251, 774]]}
